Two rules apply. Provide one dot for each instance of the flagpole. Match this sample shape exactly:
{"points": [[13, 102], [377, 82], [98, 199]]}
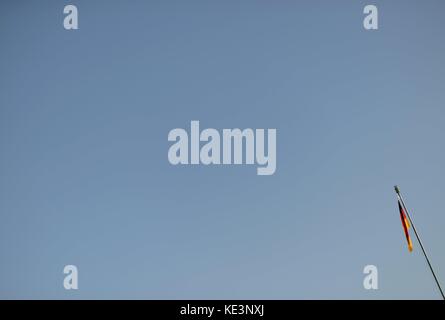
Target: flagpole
{"points": [[420, 241]]}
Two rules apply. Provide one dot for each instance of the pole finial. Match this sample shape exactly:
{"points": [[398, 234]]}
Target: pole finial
{"points": [[397, 189]]}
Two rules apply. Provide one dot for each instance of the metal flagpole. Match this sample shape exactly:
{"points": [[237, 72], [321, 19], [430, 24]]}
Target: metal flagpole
{"points": [[418, 239]]}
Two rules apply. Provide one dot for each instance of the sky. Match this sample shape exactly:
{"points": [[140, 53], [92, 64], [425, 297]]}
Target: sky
{"points": [[85, 176]]}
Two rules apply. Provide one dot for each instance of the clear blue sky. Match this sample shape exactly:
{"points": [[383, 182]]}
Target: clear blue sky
{"points": [[85, 179]]}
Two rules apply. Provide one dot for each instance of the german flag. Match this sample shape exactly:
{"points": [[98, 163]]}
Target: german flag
{"points": [[406, 226]]}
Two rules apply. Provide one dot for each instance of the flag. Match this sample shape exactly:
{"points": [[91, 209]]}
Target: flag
{"points": [[406, 226]]}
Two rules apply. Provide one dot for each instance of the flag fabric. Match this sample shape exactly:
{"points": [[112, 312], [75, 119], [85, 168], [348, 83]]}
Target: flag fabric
{"points": [[406, 225]]}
